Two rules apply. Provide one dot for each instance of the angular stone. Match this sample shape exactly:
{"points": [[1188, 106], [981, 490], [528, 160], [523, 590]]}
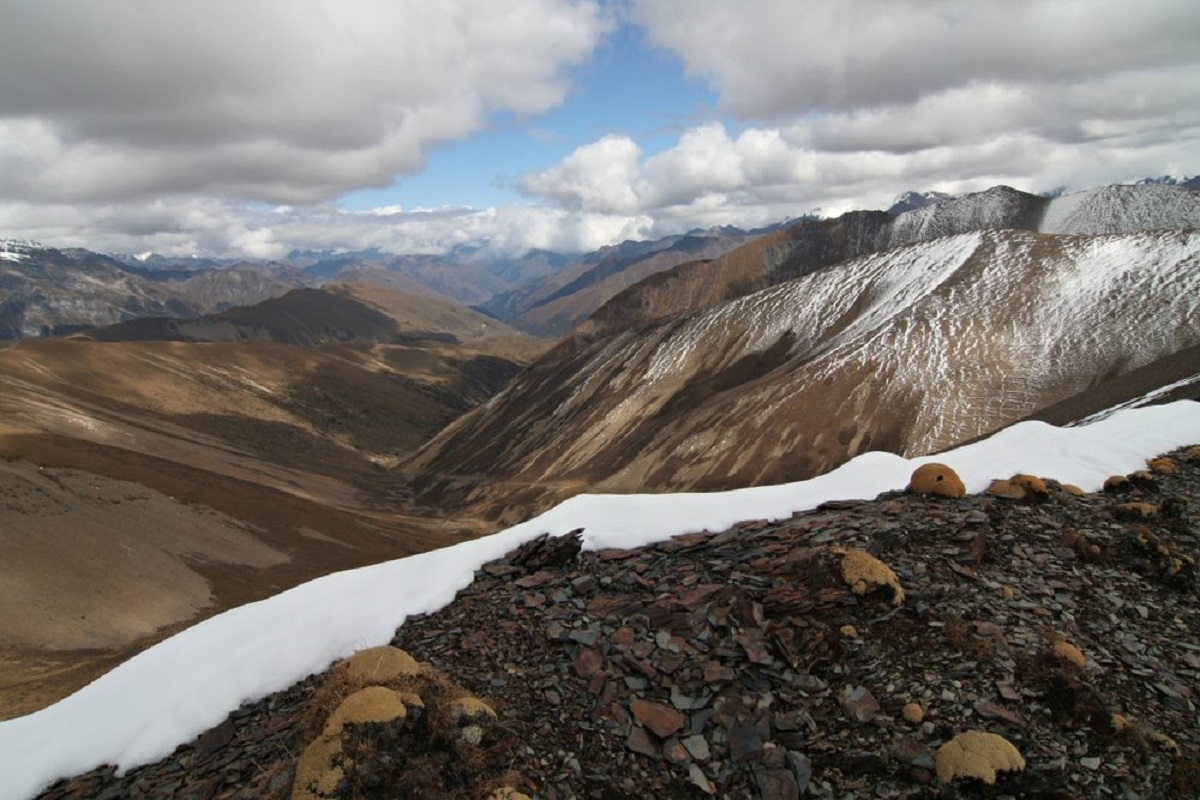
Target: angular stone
{"points": [[756, 649], [859, 703], [697, 746], [661, 719], [675, 752], [745, 740], [801, 768], [989, 710], [697, 777], [910, 751], [1007, 691], [683, 702], [640, 742], [588, 662], [585, 638], [776, 784], [714, 672]]}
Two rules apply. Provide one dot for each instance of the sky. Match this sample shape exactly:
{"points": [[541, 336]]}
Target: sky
{"points": [[248, 128], [187, 684]]}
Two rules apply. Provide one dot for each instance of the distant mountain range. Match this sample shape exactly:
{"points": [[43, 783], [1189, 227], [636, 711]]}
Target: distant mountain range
{"points": [[786, 356], [45, 291]]}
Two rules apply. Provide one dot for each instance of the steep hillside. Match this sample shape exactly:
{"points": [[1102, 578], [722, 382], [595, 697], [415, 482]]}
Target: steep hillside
{"points": [[833, 638], [555, 304], [909, 349], [148, 482], [810, 245]]}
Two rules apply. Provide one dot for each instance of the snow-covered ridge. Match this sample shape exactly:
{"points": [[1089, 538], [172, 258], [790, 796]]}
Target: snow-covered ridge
{"points": [[17, 249], [1106, 210], [170, 693], [1123, 209]]}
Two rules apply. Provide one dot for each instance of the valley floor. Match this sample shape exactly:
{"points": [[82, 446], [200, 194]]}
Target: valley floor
{"points": [[110, 551]]}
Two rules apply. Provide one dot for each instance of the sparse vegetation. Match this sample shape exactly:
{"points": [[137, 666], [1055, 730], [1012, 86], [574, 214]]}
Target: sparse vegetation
{"points": [[977, 755], [865, 573], [412, 733], [936, 479]]}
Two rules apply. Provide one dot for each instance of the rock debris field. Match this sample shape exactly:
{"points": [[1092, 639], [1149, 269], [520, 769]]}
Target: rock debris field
{"points": [[1031, 641]]}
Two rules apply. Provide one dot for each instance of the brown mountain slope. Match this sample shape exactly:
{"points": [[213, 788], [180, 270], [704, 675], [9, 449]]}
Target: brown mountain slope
{"points": [[346, 312], [561, 301], [909, 350], [151, 483]]}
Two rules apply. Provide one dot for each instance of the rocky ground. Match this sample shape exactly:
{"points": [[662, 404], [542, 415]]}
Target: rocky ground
{"points": [[756, 662]]}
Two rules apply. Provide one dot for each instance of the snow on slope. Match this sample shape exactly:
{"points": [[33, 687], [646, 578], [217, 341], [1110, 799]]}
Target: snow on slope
{"points": [[1122, 209], [985, 327], [17, 249], [172, 692]]}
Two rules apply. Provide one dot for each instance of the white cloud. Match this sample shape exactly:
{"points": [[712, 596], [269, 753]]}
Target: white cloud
{"points": [[130, 125], [275, 100], [769, 59], [185, 226], [596, 177], [846, 104]]}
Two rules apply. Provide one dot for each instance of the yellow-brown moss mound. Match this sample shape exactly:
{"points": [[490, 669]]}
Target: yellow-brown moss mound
{"points": [[381, 664], [865, 573], [937, 479], [977, 755], [1163, 465], [1136, 511], [1069, 653], [410, 733], [1117, 484]]}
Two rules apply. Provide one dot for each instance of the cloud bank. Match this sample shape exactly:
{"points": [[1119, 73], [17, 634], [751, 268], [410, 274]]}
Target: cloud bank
{"points": [[232, 128], [839, 105]]}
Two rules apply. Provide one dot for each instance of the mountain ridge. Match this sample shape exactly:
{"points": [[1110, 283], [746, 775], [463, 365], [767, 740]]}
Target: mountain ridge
{"points": [[900, 349]]}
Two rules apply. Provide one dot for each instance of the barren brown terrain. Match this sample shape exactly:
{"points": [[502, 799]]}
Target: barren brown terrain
{"points": [[147, 484]]}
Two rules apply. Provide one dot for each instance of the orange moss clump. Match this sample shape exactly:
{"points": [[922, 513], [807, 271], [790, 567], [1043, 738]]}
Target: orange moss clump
{"points": [[1162, 465], [1006, 489], [1116, 483], [1072, 489], [382, 664], [507, 793], [978, 755], [1069, 653], [936, 479], [1137, 510], [1030, 483], [864, 573], [913, 713], [1019, 486]]}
